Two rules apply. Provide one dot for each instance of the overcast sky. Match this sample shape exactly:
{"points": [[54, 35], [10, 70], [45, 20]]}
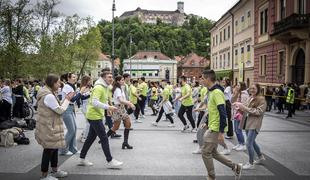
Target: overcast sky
{"points": [[101, 9]]}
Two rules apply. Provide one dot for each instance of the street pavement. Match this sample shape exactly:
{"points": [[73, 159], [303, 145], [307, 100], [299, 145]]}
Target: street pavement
{"points": [[163, 153]]}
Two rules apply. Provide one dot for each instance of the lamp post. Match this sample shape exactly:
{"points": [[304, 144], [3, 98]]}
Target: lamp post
{"points": [[113, 53]]}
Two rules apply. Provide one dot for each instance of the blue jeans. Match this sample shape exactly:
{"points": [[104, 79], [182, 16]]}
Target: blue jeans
{"points": [[70, 137], [251, 144], [238, 132], [177, 105], [97, 129]]}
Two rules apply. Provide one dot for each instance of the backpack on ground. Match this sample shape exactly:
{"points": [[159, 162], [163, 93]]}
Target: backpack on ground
{"points": [[31, 124], [7, 137]]}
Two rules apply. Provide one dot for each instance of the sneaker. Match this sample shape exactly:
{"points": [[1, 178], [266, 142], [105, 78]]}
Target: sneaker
{"points": [[77, 153], [235, 147], [241, 148], [59, 174], [84, 162], [228, 137], [194, 130], [69, 153], [114, 164], [248, 166], [114, 135], [197, 151], [238, 171], [82, 140], [171, 125], [260, 160], [155, 123], [142, 117], [138, 121], [185, 128], [48, 178], [225, 152]]}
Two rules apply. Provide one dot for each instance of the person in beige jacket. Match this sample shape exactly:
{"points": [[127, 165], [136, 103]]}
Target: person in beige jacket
{"points": [[49, 131], [253, 113]]}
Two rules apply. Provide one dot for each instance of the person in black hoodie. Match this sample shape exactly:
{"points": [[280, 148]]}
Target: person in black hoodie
{"points": [[18, 92]]}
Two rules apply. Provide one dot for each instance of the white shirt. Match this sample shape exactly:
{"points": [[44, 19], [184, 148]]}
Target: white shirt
{"points": [[6, 94], [66, 90], [227, 93], [117, 94]]}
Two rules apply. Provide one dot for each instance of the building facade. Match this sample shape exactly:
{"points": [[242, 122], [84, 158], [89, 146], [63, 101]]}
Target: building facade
{"points": [[176, 17], [282, 46], [192, 66], [243, 42], [221, 46], [153, 65]]}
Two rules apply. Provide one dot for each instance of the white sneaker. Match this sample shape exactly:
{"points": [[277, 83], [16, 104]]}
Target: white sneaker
{"points": [[197, 151], [185, 128], [82, 140], [241, 148], [59, 174], [248, 166], [114, 164], [155, 123], [69, 153], [260, 159], [48, 178], [142, 117], [78, 153], [194, 130], [84, 162], [225, 152], [138, 121], [171, 125], [235, 147]]}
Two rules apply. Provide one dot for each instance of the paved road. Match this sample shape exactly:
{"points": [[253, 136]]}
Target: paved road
{"points": [[162, 153]]}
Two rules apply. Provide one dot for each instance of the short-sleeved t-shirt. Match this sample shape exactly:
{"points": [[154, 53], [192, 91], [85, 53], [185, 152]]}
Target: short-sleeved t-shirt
{"points": [[166, 93], [203, 92], [133, 90], [215, 98], [66, 90], [189, 100], [154, 93], [143, 88], [117, 94]]}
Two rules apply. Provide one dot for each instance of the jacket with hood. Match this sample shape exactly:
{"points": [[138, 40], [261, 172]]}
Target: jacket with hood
{"points": [[49, 127], [216, 107], [98, 101]]}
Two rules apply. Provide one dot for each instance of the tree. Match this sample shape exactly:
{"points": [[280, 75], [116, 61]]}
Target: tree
{"points": [[141, 45], [123, 55]]}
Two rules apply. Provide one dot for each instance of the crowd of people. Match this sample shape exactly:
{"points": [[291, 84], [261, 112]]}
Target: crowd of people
{"points": [[215, 110]]}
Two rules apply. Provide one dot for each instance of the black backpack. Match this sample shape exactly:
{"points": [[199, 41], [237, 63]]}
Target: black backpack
{"points": [[22, 139]]}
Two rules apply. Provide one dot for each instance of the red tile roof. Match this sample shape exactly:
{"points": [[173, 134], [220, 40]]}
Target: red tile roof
{"points": [[150, 54], [193, 60], [103, 57]]}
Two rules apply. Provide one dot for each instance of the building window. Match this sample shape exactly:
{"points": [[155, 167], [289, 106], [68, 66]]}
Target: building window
{"points": [[216, 40], [155, 57], [248, 49], [150, 74], [224, 59], [220, 36], [224, 34], [301, 6], [282, 9], [216, 63], [133, 74], [242, 19], [262, 65], [236, 27], [242, 50], [264, 21], [281, 63], [249, 14], [213, 42], [143, 74], [156, 74], [228, 59], [220, 61], [228, 32]]}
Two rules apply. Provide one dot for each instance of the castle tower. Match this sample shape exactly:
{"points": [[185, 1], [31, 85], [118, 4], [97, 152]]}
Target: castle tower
{"points": [[181, 6]]}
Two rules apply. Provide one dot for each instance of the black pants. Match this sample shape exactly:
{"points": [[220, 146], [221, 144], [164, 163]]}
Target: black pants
{"points": [[18, 107], [189, 114], [96, 129], [161, 112], [49, 155], [290, 109], [200, 116], [108, 120], [152, 103], [137, 111], [5, 110], [280, 106], [142, 104], [230, 131]]}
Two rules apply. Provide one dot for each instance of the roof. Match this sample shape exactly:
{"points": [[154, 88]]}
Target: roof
{"points": [[103, 57], [150, 54], [193, 60], [145, 11], [178, 58]]}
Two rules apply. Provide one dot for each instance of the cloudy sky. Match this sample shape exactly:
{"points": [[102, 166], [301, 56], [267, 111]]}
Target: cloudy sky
{"points": [[101, 9]]}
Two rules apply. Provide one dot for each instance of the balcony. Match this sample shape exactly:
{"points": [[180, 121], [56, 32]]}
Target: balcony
{"points": [[295, 22]]}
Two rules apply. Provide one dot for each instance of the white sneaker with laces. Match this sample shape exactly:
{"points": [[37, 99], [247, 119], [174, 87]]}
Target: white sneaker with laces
{"points": [[241, 148], [185, 128], [235, 147], [225, 152], [114, 164], [260, 160], [155, 123], [197, 151], [59, 174], [69, 153], [194, 130], [84, 162], [248, 166], [48, 178], [138, 121], [171, 125]]}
